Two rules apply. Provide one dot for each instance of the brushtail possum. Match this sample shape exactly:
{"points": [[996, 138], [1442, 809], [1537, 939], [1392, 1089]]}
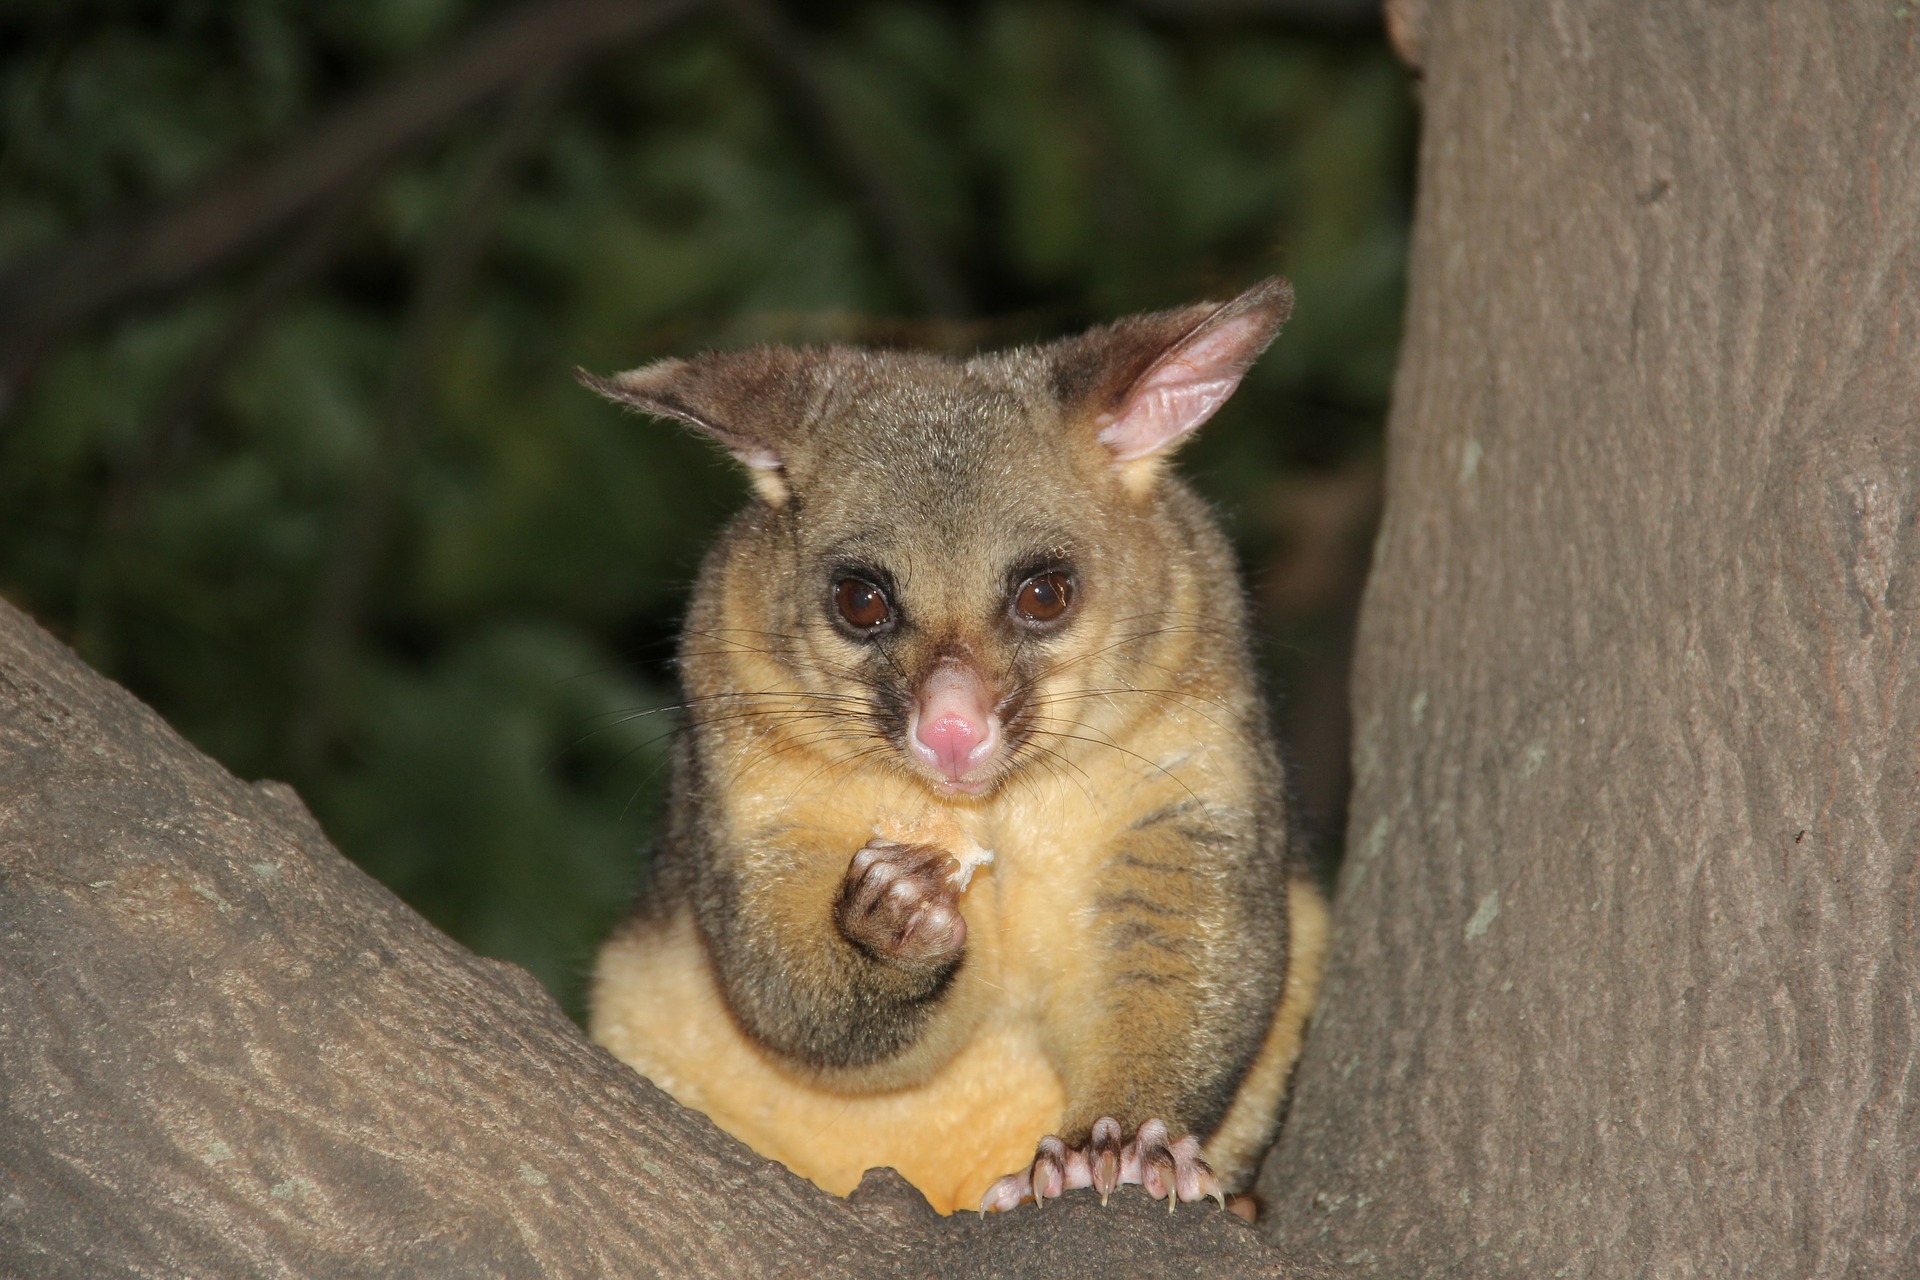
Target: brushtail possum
{"points": [[977, 861]]}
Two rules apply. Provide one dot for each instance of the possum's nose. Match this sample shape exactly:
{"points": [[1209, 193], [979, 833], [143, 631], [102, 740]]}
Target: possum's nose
{"points": [[953, 728]]}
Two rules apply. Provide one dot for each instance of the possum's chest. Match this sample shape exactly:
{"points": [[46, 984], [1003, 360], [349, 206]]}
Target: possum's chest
{"points": [[1031, 892], [967, 1114], [1030, 915]]}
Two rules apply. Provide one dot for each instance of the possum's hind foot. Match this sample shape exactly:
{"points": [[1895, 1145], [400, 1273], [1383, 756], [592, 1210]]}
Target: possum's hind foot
{"points": [[1169, 1170]]}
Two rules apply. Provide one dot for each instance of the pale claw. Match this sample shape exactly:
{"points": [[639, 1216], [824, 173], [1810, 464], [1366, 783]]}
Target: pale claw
{"points": [[1049, 1173], [1058, 1169], [1193, 1177], [1105, 1156], [1006, 1193], [1157, 1168]]}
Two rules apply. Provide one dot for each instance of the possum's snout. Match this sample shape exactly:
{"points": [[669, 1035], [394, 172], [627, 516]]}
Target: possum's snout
{"points": [[953, 729]]}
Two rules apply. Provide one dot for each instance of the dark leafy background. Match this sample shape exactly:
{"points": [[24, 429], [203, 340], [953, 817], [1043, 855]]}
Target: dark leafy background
{"points": [[335, 507]]}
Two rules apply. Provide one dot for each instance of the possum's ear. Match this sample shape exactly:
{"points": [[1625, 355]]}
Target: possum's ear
{"points": [[1145, 383], [748, 401]]}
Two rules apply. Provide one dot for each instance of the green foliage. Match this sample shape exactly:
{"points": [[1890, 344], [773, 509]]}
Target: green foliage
{"points": [[359, 530]]}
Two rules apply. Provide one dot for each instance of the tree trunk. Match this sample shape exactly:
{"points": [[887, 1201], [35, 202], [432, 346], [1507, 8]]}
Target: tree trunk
{"points": [[1624, 976], [225, 1051]]}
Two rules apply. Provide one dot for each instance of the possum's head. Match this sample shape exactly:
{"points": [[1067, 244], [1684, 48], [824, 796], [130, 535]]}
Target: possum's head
{"points": [[956, 565]]}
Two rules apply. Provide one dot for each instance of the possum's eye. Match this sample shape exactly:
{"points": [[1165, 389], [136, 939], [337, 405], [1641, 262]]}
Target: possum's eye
{"points": [[1044, 597], [862, 606]]}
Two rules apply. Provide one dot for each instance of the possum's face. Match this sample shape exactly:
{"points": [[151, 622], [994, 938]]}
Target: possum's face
{"points": [[957, 567], [945, 567]]}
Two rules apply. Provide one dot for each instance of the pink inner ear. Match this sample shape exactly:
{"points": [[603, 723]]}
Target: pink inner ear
{"points": [[1184, 389]]}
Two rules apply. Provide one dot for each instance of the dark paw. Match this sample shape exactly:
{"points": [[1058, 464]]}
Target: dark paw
{"points": [[1170, 1170], [900, 903]]}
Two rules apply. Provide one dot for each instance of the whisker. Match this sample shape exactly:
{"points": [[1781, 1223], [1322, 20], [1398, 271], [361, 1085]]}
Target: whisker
{"points": [[1178, 698], [1114, 746], [1056, 765]]}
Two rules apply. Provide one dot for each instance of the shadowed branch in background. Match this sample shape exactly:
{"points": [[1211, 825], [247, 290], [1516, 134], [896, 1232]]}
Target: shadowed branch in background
{"points": [[1332, 14], [40, 302], [888, 213], [1324, 522], [135, 478], [445, 280]]}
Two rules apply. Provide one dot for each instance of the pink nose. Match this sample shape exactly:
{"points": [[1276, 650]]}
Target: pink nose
{"points": [[953, 727]]}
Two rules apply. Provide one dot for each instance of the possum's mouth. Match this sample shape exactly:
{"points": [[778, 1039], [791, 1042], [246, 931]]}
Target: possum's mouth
{"points": [[954, 730], [960, 734], [986, 775], [979, 788], [974, 774]]}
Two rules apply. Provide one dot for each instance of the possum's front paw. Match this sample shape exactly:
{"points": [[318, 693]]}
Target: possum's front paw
{"points": [[900, 903], [1170, 1170]]}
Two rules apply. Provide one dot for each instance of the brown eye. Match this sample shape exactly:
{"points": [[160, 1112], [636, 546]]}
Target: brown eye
{"points": [[863, 605], [1043, 597]]}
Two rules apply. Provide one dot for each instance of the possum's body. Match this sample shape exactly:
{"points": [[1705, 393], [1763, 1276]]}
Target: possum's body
{"points": [[977, 837], [969, 1119]]}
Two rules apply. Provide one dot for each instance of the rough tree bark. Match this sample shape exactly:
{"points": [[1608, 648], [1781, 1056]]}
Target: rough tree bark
{"points": [[225, 1051], [1625, 970]]}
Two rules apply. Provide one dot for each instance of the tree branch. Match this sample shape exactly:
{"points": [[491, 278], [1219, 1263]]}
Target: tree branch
{"points": [[1337, 14], [133, 479], [339, 604], [227, 1051], [881, 203], [41, 301]]}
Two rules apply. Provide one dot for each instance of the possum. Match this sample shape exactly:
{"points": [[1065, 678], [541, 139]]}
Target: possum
{"points": [[978, 859]]}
